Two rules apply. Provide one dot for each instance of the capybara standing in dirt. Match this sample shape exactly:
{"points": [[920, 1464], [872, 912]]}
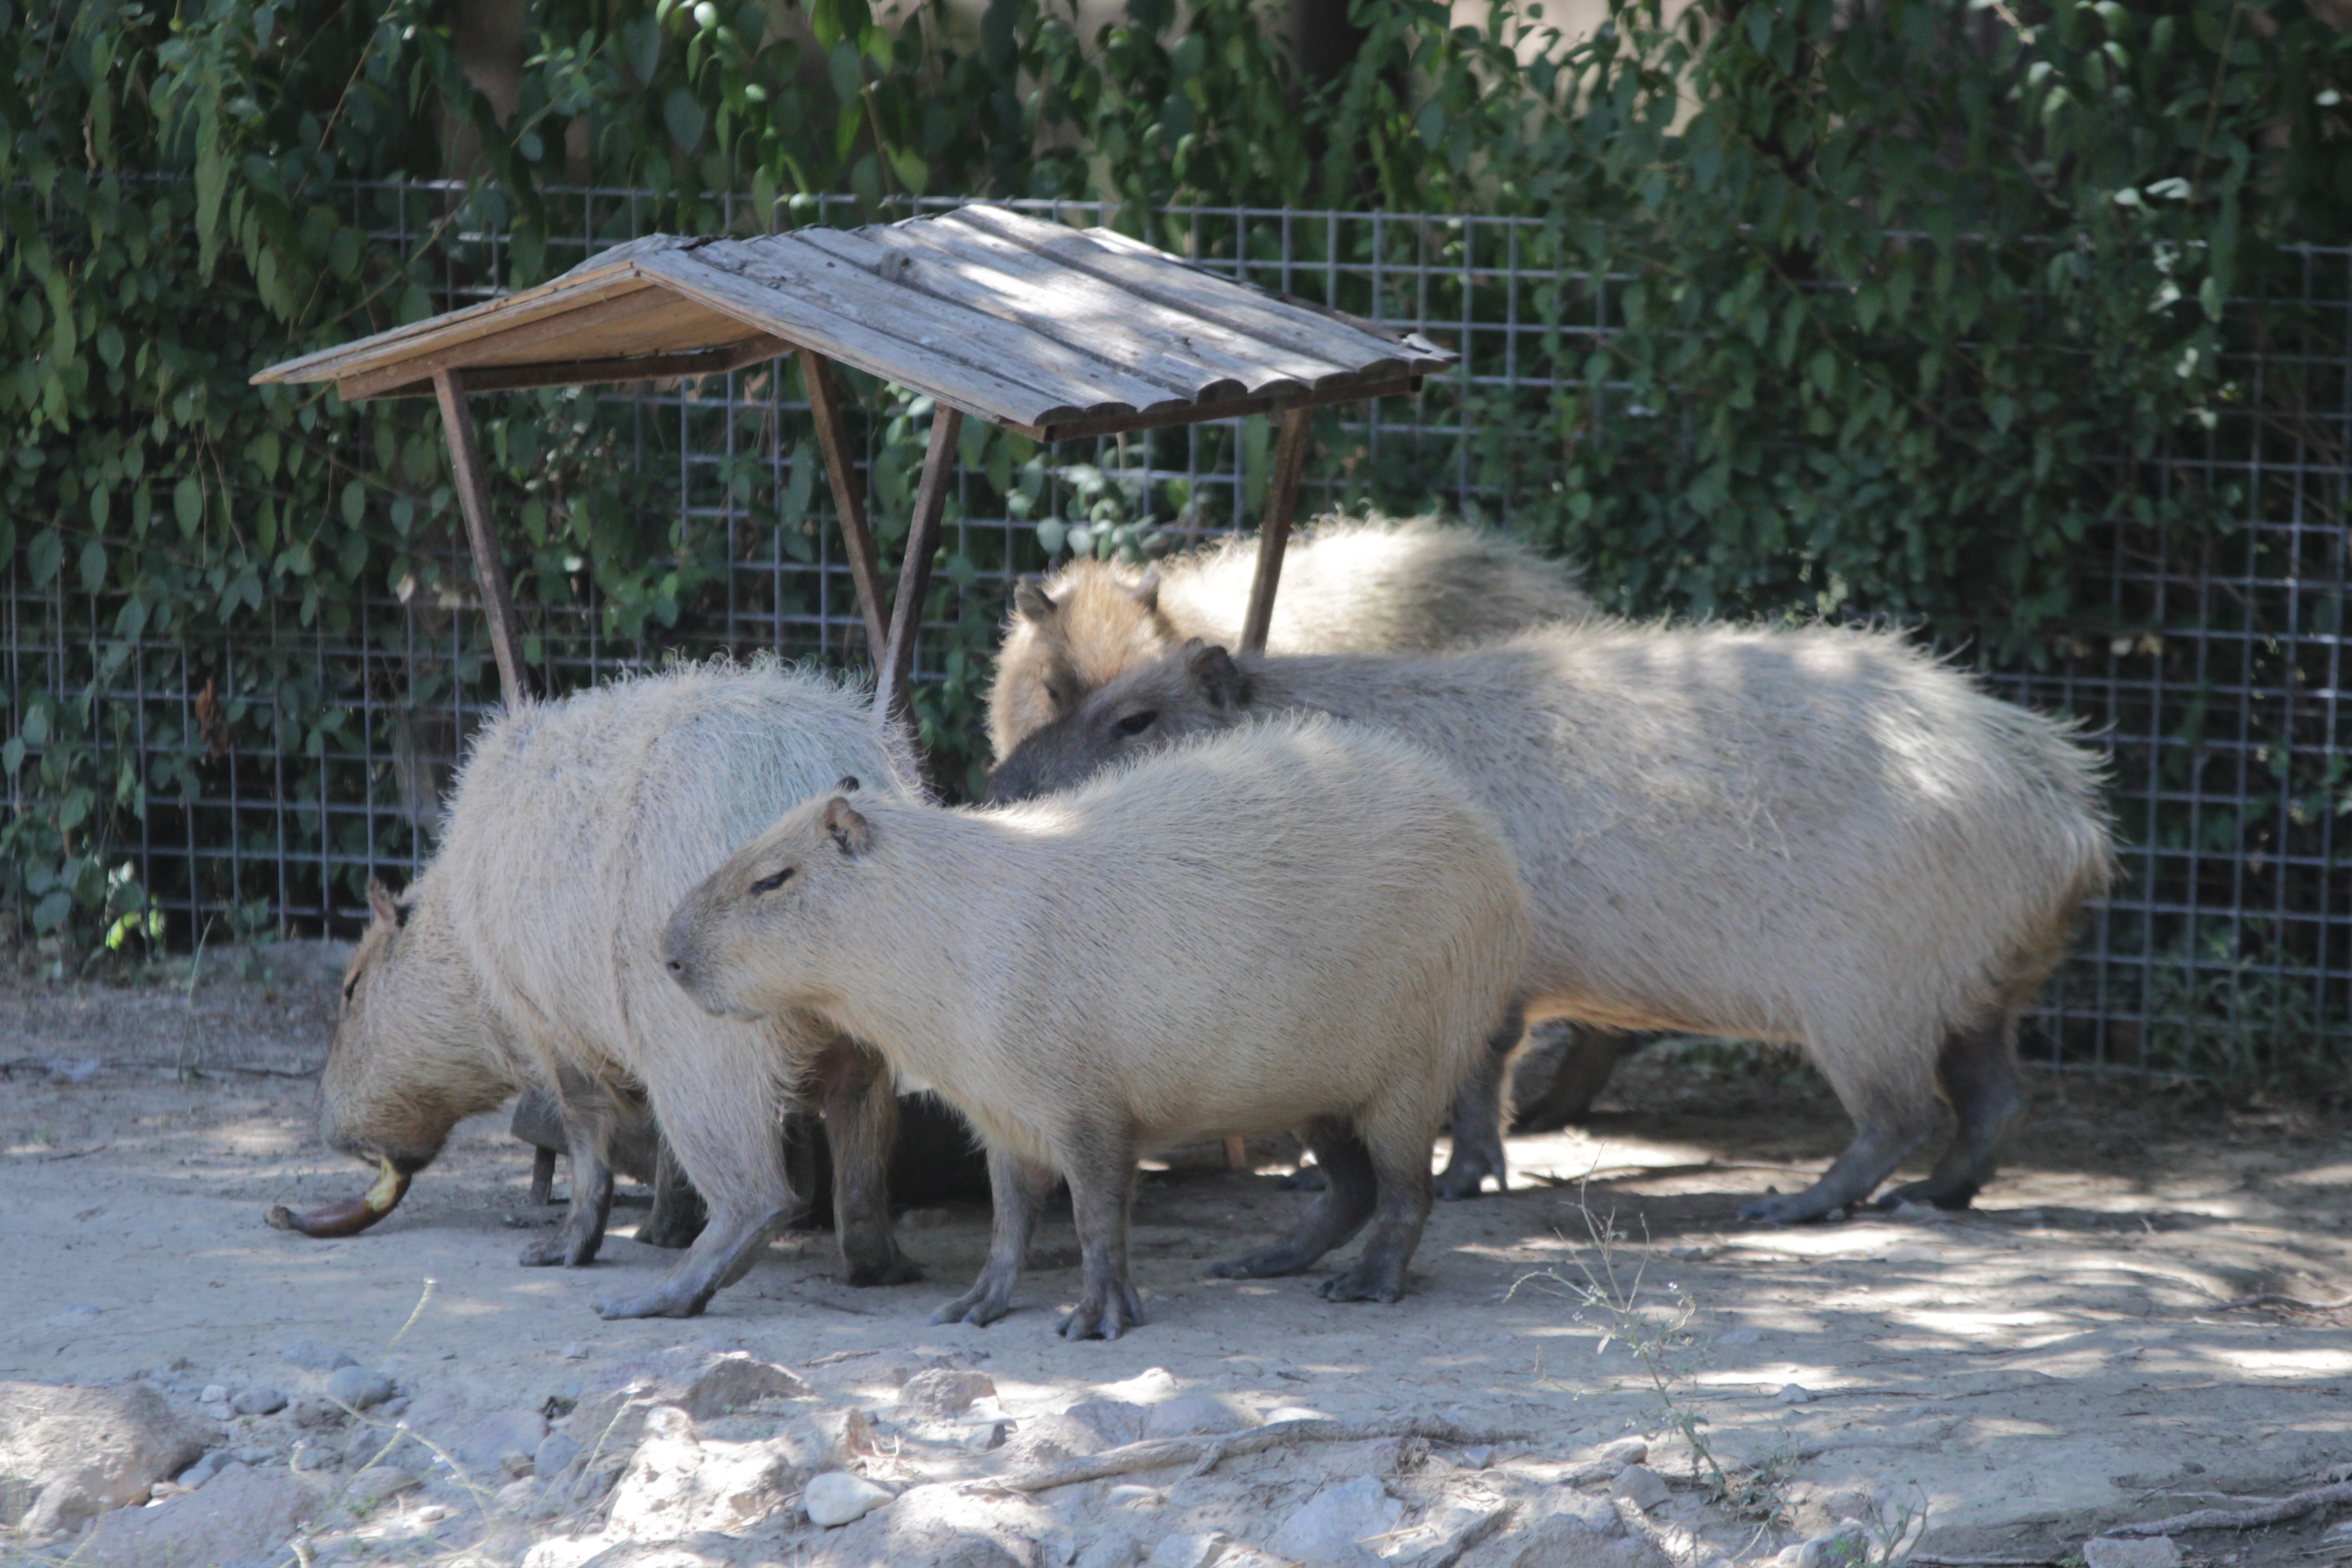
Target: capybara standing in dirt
{"points": [[1816, 836], [1369, 586], [1307, 925], [528, 954]]}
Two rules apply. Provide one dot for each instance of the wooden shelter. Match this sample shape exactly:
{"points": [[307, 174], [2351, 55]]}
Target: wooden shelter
{"points": [[1042, 328]]}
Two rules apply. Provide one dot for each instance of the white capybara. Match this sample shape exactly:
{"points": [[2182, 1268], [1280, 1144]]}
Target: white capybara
{"points": [[1818, 835], [529, 953], [1376, 585], [1307, 925]]}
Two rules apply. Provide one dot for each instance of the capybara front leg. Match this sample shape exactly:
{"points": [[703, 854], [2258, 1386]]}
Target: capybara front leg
{"points": [[587, 1127], [1481, 1107], [1020, 1190], [1401, 1180], [1340, 1211], [730, 1244], [1877, 1148], [1979, 1073], [861, 1122], [677, 1215], [1102, 1189]]}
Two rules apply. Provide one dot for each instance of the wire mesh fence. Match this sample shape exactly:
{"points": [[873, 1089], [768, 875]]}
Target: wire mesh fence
{"points": [[2214, 679]]}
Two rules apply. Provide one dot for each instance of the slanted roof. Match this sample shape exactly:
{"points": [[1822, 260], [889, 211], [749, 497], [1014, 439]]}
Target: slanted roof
{"points": [[1045, 330]]}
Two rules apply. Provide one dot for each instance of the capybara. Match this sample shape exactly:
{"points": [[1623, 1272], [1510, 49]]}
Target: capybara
{"points": [[528, 955], [1810, 835], [1307, 925], [1364, 586]]}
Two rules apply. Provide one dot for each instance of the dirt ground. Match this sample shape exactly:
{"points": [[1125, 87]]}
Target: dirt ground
{"points": [[2054, 1361]]}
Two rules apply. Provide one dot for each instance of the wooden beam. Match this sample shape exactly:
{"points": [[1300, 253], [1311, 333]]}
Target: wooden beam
{"points": [[1221, 408], [1274, 533], [643, 301], [891, 696], [841, 472], [473, 500], [589, 372]]}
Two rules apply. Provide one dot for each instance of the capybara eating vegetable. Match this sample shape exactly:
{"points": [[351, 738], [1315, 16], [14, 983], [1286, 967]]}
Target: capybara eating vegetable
{"points": [[1305, 925]]}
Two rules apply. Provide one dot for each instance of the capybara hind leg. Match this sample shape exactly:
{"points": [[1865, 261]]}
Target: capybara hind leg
{"points": [[1349, 1197], [730, 1244], [677, 1215], [861, 1122], [1877, 1148], [1585, 1066], [1481, 1108], [1102, 1188], [588, 1127], [1019, 1190], [1979, 1073], [1400, 1182]]}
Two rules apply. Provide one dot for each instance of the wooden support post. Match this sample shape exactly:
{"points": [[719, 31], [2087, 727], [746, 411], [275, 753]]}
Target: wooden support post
{"points": [[1237, 1154], [473, 500], [898, 664], [1274, 533], [841, 472]]}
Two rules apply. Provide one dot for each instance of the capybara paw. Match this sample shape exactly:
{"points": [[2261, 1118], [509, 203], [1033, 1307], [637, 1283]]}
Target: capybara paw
{"points": [[1362, 1284], [671, 1234], [1306, 1179], [978, 1308], [557, 1248], [1105, 1318], [654, 1303], [1456, 1182], [899, 1271], [1783, 1209], [1257, 1266], [1928, 1192]]}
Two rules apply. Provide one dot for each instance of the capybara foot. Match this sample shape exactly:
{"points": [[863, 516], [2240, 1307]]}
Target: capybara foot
{"points": [[980, 1306], [1929, 1192], [662, 1301], [672, 1232], [1787, 1208], [901, 1270], [1364, 1283], [1105, 1314], [1271, 1264], [1306, 1179], [1464, 1178], [559, 1249]]}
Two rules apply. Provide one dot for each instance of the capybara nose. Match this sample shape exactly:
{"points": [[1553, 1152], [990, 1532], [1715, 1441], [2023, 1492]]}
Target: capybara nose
{"points": [[676, 966]]}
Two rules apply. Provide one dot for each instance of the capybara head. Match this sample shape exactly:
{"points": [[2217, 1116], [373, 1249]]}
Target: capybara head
{"points": [[1152, 705], [1068, 636], [752, 940], [416, 1048]]}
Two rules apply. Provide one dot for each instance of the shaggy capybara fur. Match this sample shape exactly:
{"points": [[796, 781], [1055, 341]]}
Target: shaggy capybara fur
{"points": [[1305, 925], [1811, 835], [1376, 585], [527, 954]]}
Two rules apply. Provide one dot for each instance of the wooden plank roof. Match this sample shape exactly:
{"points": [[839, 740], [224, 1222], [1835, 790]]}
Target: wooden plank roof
{"points": [[1046, 329]]}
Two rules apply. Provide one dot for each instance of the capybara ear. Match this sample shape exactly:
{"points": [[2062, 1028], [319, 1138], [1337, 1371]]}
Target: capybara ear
{"points": [[850, 831], [380, 905], [847, 784], [1220, 679], [1030, 598], [1146, 590]]}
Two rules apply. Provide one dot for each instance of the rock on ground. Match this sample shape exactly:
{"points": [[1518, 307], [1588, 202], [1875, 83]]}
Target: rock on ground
{"points": [[837, 1498], [241, 1513], [1336, 1520], [680, 1483], [81, 1451]]}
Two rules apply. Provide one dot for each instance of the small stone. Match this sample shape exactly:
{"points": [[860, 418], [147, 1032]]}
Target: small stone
{"points": [[213, 1394], [501, 1433], [576, 1351], [310, 1456], [738, 1379], [1477, 1458], [517, 1495], [1643, 1486], [255, 1454], [2117, 1551], [1626, 1450], [1333, 1524], [317, 1355], [258, 1402], [1793, 1394], [943, 1392], [836, 1498], [988, 1436], [1188, 1550], [1847, 1543], [358, 1387], [1149, 1386], [315, 1412], [204, 1469], [555, 1455], [515, 1462]]}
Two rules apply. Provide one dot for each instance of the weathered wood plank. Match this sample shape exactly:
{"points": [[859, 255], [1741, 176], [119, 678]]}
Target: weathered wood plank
{"points": [[1001, 277], [589, 372], [892, 694], [1244, 308], [853, 293], [1274, 532], [841, 473], [545, 332], [966, 387], [501, 315], [481, 532]]}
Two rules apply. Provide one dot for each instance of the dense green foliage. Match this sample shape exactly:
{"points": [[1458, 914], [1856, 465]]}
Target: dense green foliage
{"points": [[1910, 301]]}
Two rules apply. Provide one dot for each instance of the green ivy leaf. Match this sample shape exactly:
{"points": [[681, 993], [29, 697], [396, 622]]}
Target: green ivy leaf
{"points": [[684, 119], [93, 567], [44, 556]]}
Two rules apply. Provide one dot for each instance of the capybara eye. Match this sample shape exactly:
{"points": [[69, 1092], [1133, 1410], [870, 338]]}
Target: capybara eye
{"points": [[770, 883], [1136, 723]]}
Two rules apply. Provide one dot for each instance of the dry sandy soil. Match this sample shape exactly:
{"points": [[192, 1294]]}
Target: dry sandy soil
{"points": [[2057, 1360]]}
